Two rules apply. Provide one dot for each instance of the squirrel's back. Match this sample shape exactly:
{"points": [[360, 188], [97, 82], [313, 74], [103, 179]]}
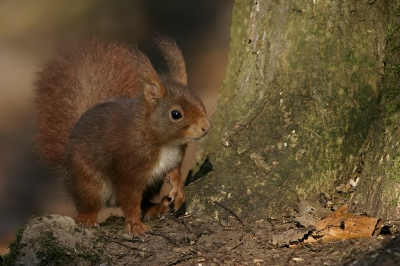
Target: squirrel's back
{"points": [[76, 79]]}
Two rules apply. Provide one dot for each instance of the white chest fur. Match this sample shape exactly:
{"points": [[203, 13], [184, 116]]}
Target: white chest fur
{"points": [[169, 158]]}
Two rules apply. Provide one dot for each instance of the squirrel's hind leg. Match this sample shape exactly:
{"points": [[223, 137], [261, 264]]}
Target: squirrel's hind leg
{"points": [[153, 210], [89, 192]]}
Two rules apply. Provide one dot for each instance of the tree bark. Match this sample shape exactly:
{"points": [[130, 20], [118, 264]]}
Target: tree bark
{"points": [[300, 95], [379, 188]]}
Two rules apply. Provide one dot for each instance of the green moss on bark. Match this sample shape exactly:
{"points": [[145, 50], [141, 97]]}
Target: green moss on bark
{"points": [[299, 97], [379, 189]]}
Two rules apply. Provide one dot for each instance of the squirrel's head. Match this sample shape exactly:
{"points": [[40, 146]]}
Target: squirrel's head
{"points": [[176, 115]]}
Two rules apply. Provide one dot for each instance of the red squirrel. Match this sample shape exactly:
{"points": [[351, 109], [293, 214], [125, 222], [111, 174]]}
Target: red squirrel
{"points": [[116, 128]]}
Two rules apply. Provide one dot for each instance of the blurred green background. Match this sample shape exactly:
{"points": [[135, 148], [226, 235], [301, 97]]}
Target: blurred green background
{"points": [[29, 30]]}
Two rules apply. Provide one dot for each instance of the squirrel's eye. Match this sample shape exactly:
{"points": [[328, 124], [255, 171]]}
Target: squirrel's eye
{"points": [[175, 114]]}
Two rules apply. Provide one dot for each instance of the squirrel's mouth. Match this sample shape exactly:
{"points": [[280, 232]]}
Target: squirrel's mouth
{"points": [[197, 131], [195, 138]]}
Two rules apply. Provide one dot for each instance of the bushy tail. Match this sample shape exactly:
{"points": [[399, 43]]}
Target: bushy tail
{"points": [[74, 80], [80, 76]]}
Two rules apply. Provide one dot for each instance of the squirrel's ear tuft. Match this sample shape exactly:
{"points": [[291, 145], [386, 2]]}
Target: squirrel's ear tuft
{"points": [[174, 59], [153, 91]]}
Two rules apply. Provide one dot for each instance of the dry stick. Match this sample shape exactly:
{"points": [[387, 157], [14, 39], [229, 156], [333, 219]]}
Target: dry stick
{"points": [[133, 240], [124, 245], [184, 222], [226, 208], [148, 256], [169, 239], [115, 240], [290, 257], [197, 233], [189, 228], [182, 260], [229, 250], [241, 243]]}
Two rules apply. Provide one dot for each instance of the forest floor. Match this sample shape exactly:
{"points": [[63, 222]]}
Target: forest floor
{"points": [[188, 241], [229, 241]]}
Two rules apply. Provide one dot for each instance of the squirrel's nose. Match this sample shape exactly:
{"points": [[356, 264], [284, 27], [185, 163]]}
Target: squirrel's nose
{"points": [[206, 129]]}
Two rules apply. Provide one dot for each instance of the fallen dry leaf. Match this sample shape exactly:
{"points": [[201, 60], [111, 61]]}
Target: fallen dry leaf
{"points": [[310, 212], [292, 235], [341, 224]]}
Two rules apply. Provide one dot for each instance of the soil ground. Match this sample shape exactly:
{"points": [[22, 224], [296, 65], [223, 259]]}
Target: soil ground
{"points": [[228, 241], [189, 241]]}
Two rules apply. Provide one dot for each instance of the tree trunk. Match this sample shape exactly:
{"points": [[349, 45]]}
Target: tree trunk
{"points": [[299, 99], [379, 188]]}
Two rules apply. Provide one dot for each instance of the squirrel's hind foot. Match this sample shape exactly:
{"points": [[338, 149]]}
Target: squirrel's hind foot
{"points": [[136, 228], [87, 220], [153, 210]]}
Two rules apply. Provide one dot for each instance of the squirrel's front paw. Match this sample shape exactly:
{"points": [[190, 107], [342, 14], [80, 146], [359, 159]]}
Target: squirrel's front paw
{"points": [[136, 228], [177, 196]]}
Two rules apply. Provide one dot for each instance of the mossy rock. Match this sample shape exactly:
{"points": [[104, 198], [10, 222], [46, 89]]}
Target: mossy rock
{"points": [[52, 240]]}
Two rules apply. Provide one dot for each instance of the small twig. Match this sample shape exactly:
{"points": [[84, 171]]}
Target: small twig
{"points": [[181, 260], [184, 222], [148, 256], [197, 233], [132, 240], [234, 247], [124, 245], [226, 208], [169, 239], [241, 243], [290, 257]]}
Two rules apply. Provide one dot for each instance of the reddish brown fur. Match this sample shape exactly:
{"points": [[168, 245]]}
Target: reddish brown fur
{"points": [[174, 59], [76, 79], [121, 145], [153, 210]]}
